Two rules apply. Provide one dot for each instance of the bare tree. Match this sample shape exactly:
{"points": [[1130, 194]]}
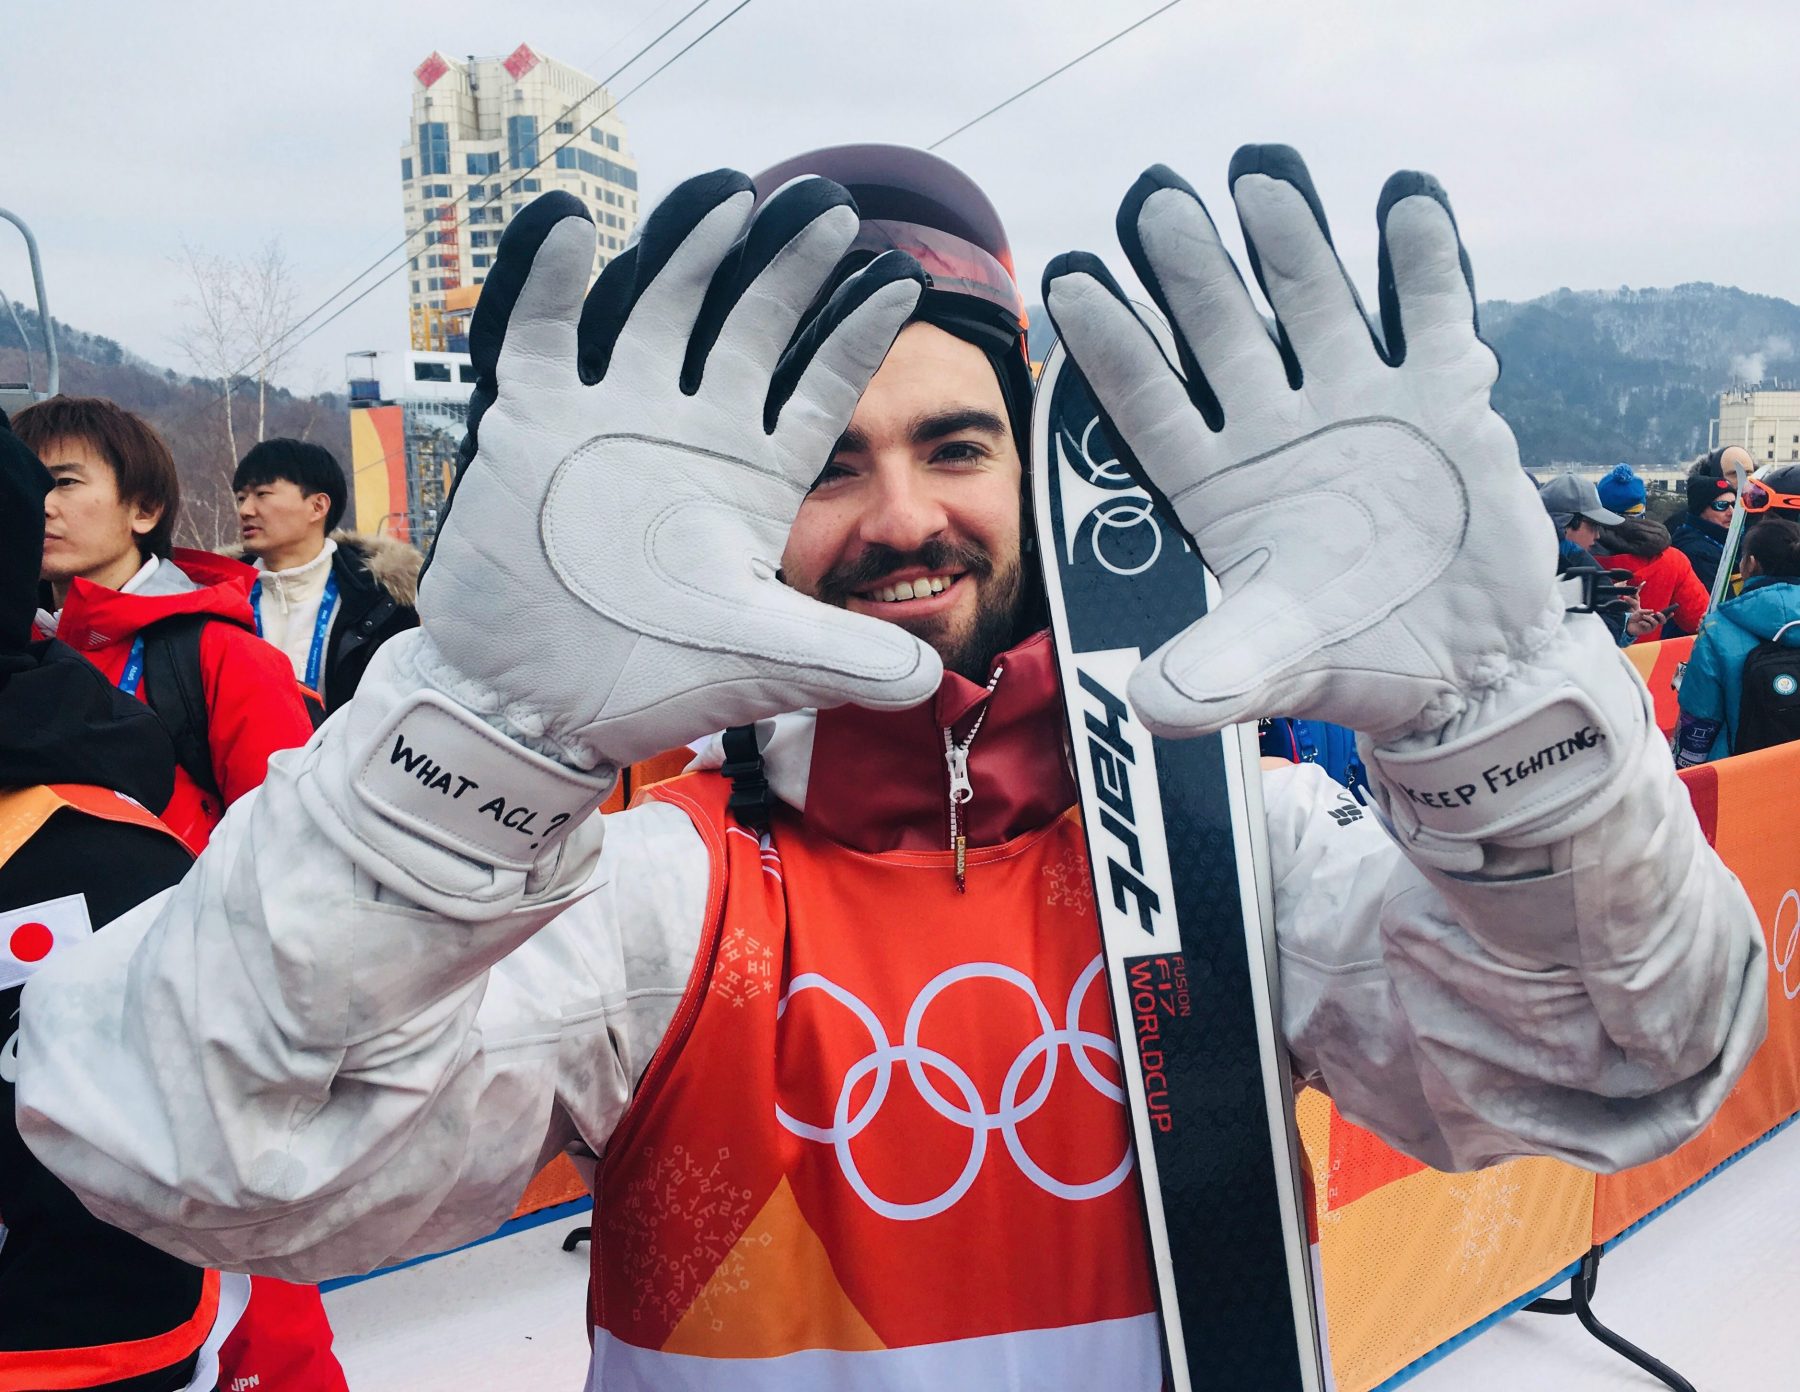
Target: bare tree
{"points": [[238, 311], [212, 334], [265, 295]]}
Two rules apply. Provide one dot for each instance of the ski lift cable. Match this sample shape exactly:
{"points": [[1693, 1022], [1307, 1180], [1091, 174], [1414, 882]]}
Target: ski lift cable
{"points": [[966, 125], [463, 197], [276, 357]]}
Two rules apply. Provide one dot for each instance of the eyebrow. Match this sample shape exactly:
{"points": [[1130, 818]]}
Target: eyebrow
{"points": [[58, 470], [922, 430]]}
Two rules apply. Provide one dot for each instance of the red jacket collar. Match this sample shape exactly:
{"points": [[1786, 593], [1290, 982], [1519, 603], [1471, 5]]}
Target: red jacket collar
{"points": [[879, 782], [94, 617]]}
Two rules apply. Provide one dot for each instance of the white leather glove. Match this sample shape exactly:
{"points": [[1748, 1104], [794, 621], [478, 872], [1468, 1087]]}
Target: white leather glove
{"points": [[1385, 563], [604, 587]]}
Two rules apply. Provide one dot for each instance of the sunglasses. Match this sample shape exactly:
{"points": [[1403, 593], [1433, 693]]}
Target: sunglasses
{"points": [[1760, 498], [1723, 504]]}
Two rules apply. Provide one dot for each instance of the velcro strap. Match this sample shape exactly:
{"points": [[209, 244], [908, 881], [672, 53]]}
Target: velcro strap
{"points": [[1538, 760], [443, 773]]}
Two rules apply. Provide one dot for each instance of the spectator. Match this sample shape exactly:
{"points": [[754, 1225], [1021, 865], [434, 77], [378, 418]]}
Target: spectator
{"points": [[327, 598], [1774, 493], [1768, 610], [1639, 545], [1622, 491], [114, 578], [1574, 505], [84, 1304], [1712, 485]]}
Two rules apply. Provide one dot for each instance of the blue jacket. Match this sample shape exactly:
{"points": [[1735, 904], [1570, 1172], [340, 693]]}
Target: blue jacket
{"points": [[1331, 747], [1713, 681], [1702, 542]]}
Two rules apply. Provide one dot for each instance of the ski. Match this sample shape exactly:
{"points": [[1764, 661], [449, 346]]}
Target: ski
{"points": [[1178, 850]]}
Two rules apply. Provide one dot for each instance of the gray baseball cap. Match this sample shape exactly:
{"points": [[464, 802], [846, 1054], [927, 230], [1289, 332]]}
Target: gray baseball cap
{"points": [[1568, 496]]}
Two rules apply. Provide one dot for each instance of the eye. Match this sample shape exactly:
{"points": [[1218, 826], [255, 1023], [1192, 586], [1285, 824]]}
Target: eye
{"points": [[959, 452], [833, 472]]}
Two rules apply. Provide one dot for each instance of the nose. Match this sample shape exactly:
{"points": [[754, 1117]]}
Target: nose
{"points": [[244, 509], [903, 510]]}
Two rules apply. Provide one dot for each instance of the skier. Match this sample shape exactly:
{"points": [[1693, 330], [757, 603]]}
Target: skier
{"points": [[828, 1015]]}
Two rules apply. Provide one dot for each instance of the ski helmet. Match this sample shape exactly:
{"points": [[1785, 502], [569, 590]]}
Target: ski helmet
{"points": [[1774, 491], [915, 202]]}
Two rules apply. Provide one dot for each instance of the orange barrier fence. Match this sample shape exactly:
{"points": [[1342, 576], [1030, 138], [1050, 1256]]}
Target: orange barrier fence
{"points": [[1657, 664], [1413, 1258]]}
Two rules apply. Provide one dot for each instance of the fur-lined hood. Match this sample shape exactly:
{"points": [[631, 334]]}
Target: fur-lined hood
{"points": [[392, 564], [1635, 536]]}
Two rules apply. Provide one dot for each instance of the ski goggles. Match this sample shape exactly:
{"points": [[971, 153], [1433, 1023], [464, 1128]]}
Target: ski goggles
{"points": [[1759, 497], [955, 265]]}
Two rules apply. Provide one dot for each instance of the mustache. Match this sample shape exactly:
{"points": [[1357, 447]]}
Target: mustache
{"points": [[841, 582]]}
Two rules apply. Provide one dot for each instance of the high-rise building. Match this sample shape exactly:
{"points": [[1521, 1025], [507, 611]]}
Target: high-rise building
{"points": [[1765, 421], [488, 136]]}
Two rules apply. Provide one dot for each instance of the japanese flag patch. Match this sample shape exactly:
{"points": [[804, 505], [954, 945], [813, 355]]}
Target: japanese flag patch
{"points": [[31, 936]]}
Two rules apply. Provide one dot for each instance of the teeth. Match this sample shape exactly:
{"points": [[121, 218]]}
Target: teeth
{"points": [[912, 589]]}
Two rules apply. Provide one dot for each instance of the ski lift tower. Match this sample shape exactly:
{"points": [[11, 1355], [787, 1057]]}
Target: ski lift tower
{"points": [[15, 396]]}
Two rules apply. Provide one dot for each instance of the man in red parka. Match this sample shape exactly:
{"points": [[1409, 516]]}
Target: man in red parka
{"points": [[112, 572]]}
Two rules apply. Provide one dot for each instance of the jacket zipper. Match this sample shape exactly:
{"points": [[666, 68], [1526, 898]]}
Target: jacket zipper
{"points": [[956, 760]]}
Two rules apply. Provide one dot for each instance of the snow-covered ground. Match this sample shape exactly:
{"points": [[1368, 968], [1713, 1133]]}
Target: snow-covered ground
{"points": [[1712, 1287]]}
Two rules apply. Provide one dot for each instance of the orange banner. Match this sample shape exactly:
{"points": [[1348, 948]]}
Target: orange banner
{"points": [[1746, 806], [1413, 1257], [1657, 664]]}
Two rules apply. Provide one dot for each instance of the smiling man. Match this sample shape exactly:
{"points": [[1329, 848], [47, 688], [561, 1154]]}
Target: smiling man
{"points": [[826, 1011]]}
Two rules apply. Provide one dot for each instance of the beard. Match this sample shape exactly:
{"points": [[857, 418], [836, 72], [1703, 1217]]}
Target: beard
{"points": [[970, 648]]}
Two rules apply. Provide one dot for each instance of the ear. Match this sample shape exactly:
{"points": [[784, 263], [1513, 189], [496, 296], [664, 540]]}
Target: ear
{"points": [[318, 506], [144, 519]]}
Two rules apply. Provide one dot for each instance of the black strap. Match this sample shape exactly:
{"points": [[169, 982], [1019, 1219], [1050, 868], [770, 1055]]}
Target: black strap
{"points": [[173, 688], [750, 800]]}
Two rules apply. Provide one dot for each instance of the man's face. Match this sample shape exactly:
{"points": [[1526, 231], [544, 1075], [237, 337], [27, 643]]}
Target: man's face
{"points": [[275, 516], [88, 531], [916, 518], [1583, 532], [1721, 516]]}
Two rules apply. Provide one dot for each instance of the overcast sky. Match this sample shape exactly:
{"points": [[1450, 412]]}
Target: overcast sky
{"points": [[1584, 144]]}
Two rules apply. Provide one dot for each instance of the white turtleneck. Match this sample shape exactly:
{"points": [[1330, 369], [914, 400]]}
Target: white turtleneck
{"points": [[289, 606]]}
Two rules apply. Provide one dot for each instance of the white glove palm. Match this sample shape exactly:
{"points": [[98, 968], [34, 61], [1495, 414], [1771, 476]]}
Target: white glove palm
{"points": [[604, 586], [1381, 554]]}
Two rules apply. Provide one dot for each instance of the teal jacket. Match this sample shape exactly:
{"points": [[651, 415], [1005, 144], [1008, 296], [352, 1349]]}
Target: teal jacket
{"points": [[1713, 681]]}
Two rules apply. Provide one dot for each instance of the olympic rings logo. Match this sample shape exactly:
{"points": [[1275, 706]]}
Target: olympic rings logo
{"points": [[1118, 517], [1786, 937], [971, 1113]]}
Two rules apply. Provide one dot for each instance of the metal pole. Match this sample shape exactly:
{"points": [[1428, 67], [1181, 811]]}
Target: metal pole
{"points": [[43, 300]]}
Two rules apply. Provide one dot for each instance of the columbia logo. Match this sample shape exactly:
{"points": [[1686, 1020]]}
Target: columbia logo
{"points": [[1343, 816]]}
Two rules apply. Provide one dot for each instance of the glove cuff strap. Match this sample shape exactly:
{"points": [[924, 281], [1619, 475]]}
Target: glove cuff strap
{"points": [[1533, 763], [445, 775]]}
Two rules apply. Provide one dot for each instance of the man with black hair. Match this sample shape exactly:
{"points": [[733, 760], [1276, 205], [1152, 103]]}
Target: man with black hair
{"points": [[326, 598], [167, 625]]}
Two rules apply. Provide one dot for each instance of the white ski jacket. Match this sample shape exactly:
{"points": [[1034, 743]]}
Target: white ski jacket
{"points": [[289, 1064]]}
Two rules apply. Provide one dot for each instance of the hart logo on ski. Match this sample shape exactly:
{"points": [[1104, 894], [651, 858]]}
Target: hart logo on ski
{"points": [[1119, 779], [1177, 850]]}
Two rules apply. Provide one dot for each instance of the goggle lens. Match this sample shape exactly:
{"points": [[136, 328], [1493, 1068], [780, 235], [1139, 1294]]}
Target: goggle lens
{"points": [[954, 264]]}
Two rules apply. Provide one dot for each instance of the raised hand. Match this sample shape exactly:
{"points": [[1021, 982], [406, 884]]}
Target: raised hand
{"points": [[604, 585], [1383, 559]]}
